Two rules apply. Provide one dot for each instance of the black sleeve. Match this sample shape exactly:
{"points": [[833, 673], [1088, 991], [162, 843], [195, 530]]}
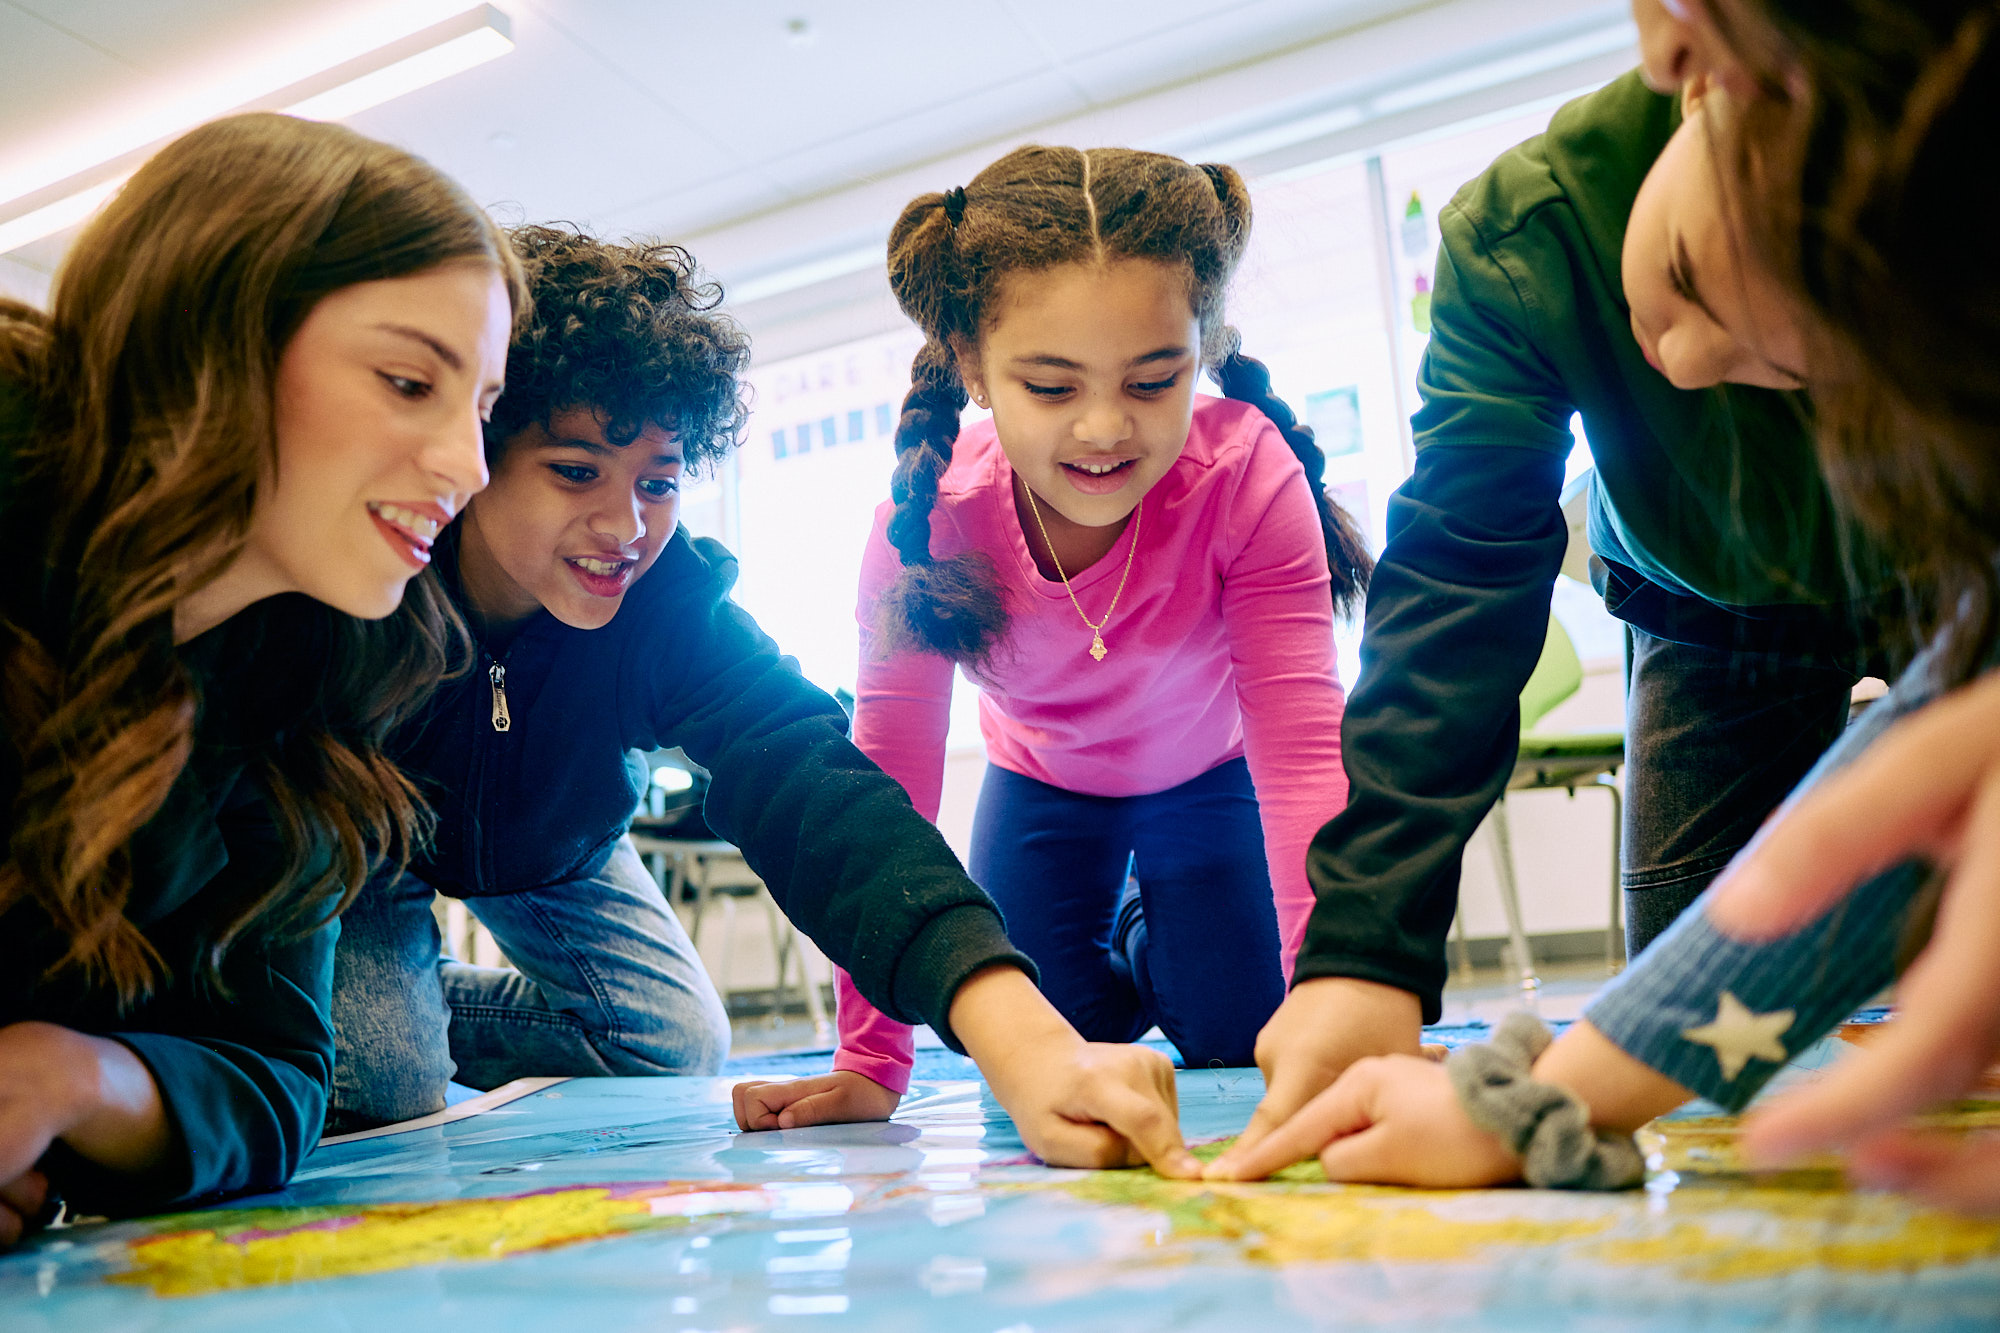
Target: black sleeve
{"points": [[832, 836], [243, 1069], [1457, 615]]}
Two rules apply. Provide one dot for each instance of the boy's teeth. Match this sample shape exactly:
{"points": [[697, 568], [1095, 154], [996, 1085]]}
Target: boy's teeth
{"points": [[423, 525], [603, 567]]}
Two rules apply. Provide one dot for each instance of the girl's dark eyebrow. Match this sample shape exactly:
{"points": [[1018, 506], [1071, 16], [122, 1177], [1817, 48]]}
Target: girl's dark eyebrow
{"points": [[593, 447], [1064, 363]]}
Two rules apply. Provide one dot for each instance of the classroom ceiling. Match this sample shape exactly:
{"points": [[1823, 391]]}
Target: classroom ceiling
{"points": [[669, 117]]}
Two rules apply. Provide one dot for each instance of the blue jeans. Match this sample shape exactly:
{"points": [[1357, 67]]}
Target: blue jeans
{"points": [[1715, 740], [608, 983], [1196, 953]]}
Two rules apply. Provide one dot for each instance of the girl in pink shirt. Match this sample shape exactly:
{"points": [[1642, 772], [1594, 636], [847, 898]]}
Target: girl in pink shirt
{"points": [[1142, 580]]}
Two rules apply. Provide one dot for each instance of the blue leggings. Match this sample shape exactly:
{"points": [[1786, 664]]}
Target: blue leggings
{"points": [[1197, 953]]}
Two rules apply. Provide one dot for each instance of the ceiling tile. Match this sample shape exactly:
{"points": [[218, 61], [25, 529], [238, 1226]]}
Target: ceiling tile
{"points": [[689, 207], [164, 37], [1111, 58], [984, 116], [546, 132], [866, 66], [41, 69], [88, 80]]}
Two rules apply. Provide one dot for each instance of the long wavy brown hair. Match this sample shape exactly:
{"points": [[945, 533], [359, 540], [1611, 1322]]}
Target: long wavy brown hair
{"points": [[1871, 196], [1034, 209], [152, 383]]}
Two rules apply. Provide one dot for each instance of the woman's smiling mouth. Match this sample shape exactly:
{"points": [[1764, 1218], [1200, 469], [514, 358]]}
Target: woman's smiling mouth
{"points": [[409, 531]]}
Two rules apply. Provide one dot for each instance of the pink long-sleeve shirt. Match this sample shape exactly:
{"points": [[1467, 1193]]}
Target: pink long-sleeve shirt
{"points": [[1221, 645]]}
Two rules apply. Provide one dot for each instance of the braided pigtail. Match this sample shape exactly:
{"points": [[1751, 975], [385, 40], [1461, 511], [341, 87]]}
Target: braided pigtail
{"points": [[954, 607], [1248, 380]]}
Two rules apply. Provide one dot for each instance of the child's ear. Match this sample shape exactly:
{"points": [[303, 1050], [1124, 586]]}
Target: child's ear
{"points": [[1695, 92], [966, 357]]}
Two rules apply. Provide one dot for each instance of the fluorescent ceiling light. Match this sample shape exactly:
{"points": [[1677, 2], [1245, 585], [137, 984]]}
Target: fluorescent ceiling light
{"points": [[49, 219], [404, 65], [794, 276], [421, 59], [1618, 36]]}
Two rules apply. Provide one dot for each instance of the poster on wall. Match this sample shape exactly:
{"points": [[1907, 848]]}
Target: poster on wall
{"points": [[1335, 418]]}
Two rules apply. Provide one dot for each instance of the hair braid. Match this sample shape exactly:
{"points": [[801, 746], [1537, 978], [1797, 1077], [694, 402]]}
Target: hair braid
{"points": [[954, 607], [924, 436], [1248, 380]]}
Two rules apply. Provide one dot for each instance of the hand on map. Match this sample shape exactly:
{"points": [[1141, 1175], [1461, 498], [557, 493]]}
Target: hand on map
{"points": [[1324, 1026], [1930, 787], [1389, 1120], [1075, 1102], [34, 1109], [91, 1092], [839, 1098]]}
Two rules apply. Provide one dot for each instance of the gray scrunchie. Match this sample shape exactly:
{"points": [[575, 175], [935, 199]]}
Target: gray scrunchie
{"points": [[1546, 1125]]}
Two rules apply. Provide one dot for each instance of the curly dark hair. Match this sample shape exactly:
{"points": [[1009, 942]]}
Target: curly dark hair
{"points": [[630, 330], [1037, 208]]}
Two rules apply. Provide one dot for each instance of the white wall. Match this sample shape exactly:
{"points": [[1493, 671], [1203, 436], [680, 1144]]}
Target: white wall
{"points": [[23, 282]]}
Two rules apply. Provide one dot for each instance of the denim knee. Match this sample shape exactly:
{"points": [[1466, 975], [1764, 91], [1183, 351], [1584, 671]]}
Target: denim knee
{"points": [[690, 1036], [380, 1082]]}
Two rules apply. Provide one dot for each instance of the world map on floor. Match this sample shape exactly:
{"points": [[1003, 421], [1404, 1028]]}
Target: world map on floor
{"points": [[630, 1203]]}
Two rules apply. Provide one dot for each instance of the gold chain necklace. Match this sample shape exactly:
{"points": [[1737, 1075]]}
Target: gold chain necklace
{"points": [[1097, 648]]}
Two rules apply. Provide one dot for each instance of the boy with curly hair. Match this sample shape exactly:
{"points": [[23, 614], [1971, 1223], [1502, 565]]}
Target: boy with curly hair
{"points": [[601, 628]]}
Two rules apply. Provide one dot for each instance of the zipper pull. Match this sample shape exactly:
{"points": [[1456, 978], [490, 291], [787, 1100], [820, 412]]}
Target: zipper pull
{"points": [[498, 675]]}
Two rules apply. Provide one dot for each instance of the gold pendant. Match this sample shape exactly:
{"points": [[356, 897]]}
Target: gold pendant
{"points": [[1097, 648]]}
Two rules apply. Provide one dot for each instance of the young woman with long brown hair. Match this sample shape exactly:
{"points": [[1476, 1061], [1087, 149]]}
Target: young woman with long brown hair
{"points": [[224, 452]]}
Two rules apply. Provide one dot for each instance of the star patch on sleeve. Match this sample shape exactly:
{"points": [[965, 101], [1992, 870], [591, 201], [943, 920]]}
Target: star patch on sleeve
{"points": [[1739, 1036]]}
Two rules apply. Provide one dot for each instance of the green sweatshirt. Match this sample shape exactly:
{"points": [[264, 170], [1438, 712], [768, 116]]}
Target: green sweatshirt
{"points": [[1712, 498]]}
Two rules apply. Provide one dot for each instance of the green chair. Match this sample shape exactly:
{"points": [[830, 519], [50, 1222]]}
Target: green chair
{"points": [[1568, 760]]}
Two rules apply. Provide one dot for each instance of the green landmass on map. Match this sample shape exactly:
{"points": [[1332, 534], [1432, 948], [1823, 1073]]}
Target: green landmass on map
{"points": [[1308, 1172]]}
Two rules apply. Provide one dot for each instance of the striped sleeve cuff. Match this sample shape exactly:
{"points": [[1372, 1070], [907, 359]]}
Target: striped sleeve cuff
{"points": [[1720, 1016]]}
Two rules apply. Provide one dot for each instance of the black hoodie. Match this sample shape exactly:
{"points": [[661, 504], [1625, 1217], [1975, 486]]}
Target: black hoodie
{"points": [[529, 762]]}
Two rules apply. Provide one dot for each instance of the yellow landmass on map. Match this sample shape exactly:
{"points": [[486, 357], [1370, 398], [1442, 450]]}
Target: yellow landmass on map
{"points": [[1718, 1224], [1849, 1233], [265, 1247], [1705, 1148]]}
